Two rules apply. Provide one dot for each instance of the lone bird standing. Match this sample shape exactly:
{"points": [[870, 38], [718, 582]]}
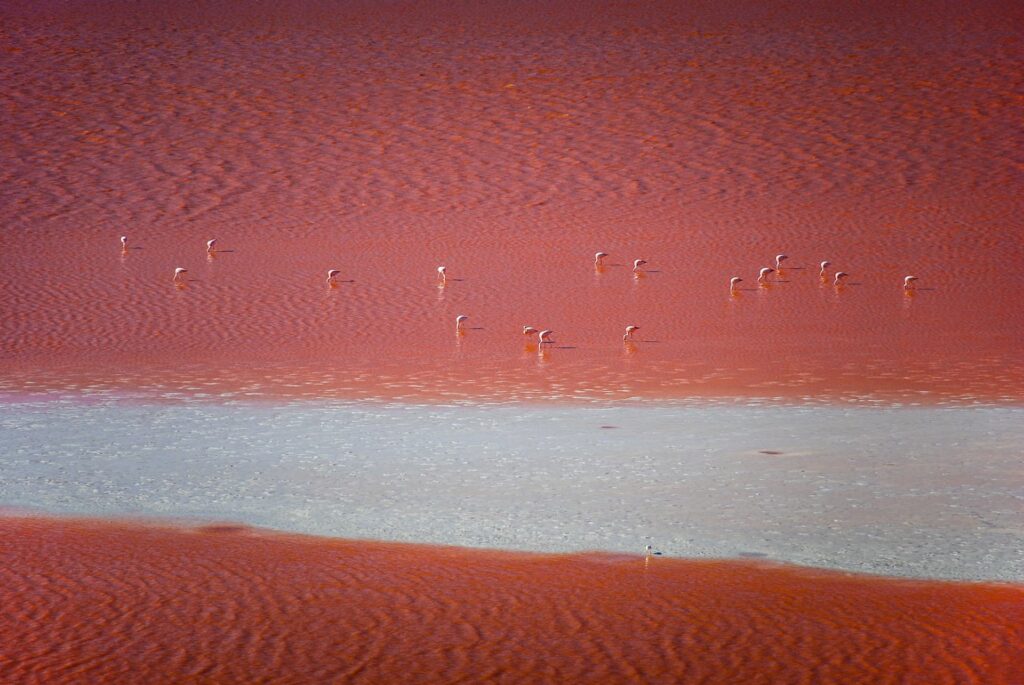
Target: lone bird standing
{"points": [[637, 263], [908, 282], [211, 244], [178, 273], [441, 275], [459, 321], [598, 256], [124, 243], [331, 274], [629, 332]]}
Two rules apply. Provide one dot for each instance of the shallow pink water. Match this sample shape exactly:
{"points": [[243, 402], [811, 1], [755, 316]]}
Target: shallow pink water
{"points": [[104, 602], [510, 144]]}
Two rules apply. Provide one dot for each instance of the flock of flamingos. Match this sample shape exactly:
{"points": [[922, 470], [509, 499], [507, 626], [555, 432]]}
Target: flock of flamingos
{"points": [[544, 336]]}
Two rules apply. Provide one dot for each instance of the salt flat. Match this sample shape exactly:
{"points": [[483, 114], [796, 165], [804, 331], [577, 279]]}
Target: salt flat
{"points": [[908, 491]]}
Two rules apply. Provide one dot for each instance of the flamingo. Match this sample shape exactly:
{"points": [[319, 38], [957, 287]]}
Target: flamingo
{"points": [[908, 282], [458, 322], [545, 336], [331, 273], [637, 263], [629, 332], [733, 281], [210, 244], [598, 256], [824, 265], [839, 277], [124, 242], [529, 330], [441, 275], [763, 274], [779, 258], [178, 272]]}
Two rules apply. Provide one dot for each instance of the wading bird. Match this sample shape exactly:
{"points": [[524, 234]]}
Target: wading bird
{"points": [[529, 330], [441, 275], [839, 277], [824, 265], [598, 256], [779, 258], [331, 274], [733, 281], [908, 282], [629, 332], [178, 272], [210, 244], [459, 321], [637, 263], [545, 336], [124, 242], [763, 274]]}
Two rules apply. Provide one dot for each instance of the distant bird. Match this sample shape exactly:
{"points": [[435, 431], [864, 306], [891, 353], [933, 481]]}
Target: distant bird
{"points": [[763, 274], [648, 551], [124, 242], [598, 256], [441, 275], [529, 330], [839, 277], [331, 273], [824, 265], [178, 272], [459, 320], [210, 244], [908, 282], [733, 281], [629, 332], [545, 336], [779, 258], [637, 263]]}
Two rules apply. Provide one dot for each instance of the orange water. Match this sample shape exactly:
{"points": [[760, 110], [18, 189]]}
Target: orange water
{"points": [[510, 144], [103, 602]]}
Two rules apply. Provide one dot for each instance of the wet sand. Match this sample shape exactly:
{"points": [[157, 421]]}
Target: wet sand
{"points": [[225, 604]]}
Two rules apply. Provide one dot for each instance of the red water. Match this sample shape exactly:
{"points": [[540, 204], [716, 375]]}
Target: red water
{"points": [[103, 602], [510, 144]]}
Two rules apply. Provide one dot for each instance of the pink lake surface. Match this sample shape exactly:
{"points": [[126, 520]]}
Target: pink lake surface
{"points": [[227, 604], [509, 143]]}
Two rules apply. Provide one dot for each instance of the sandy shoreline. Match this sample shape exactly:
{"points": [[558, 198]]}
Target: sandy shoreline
{"points": [[920, 492]]}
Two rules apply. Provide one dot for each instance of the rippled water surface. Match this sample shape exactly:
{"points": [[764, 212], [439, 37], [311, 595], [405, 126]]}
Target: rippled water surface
{"points": [[509, 142], [510, 145], [222, 604]]}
